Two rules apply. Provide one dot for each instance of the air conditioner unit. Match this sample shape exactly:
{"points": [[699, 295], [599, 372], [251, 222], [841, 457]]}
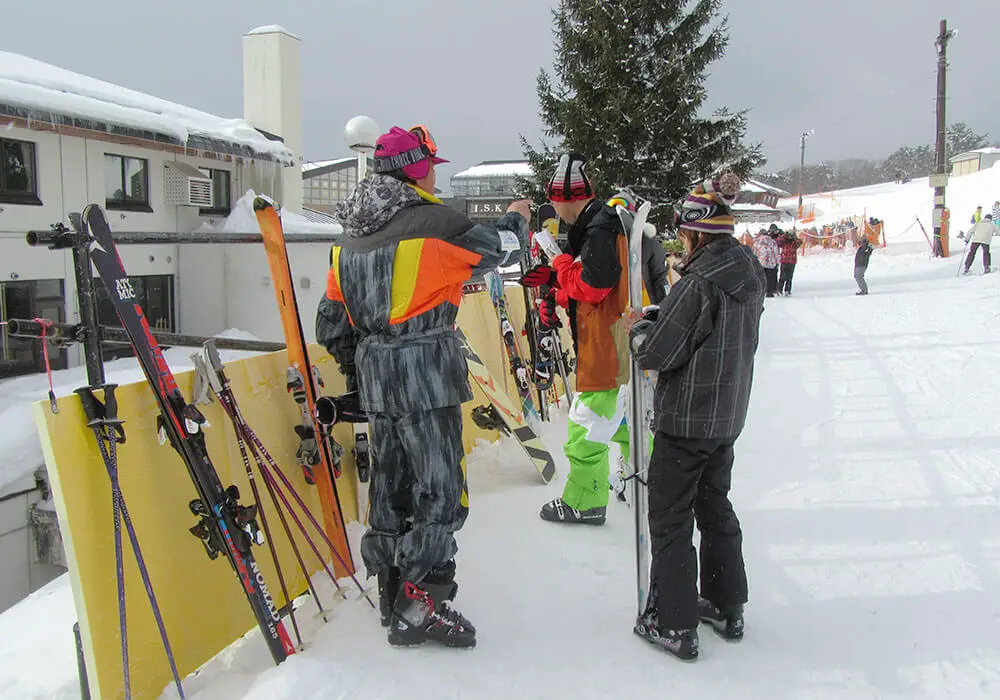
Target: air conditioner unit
{"points": [[186, 186]]}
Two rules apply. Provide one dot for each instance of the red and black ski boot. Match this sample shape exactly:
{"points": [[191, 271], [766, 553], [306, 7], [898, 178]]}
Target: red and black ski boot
{"points": [[423, 613]]}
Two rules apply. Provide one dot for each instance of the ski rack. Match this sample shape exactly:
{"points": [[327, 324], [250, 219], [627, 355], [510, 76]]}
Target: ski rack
{"points": [[92, 335], [63, 334]]}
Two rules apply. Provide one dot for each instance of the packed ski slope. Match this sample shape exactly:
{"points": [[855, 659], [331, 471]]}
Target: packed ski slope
{"points": [[868, 483]]}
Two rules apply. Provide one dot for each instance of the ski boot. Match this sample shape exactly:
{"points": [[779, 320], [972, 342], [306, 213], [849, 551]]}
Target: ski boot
{"points": [[423, 612], [388, 589], [556, 511], [726, 622], [682, 644]]}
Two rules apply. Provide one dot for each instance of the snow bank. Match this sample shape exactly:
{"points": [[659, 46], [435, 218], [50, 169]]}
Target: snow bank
{"points": [[899, 205], [242, 220], [40, 86]]}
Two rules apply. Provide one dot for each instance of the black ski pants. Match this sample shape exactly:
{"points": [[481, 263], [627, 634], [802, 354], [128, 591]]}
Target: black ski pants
{"points": [[689, 480], [787, 272], [771, 274], [418, 493], [972, 256]]}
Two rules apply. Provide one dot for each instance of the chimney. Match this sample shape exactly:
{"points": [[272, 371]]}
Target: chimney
{"points": [[272, 98]]}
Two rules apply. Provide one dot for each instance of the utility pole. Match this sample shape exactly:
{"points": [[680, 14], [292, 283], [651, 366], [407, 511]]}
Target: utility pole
{"points": [[802, 167], [940, 179]]}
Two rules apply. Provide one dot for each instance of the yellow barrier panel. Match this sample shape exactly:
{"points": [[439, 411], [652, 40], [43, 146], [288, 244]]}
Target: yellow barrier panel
{"points": [[203, 607]]}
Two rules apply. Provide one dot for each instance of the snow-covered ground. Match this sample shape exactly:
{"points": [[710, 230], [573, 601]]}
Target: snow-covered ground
{"points": [[868, 483], [898, 205]]}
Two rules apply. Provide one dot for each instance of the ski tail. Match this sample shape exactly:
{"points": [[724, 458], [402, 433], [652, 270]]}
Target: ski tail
{"points": [[224, 525]]}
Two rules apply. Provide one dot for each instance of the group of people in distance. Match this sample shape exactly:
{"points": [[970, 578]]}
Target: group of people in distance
{"points": [[777, 252], [388, 318]]}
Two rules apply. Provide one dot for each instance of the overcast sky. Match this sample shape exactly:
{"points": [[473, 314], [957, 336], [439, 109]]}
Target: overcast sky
{"points": [[859, 72]]}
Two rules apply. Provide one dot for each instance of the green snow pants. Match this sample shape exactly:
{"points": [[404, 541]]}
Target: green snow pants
{"points": [[596, 419]]}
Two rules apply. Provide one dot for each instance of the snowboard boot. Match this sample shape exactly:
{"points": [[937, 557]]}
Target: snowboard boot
{"points": [[681, 644], [422, 612], [557, 511], [388, 589], [726, 622]]}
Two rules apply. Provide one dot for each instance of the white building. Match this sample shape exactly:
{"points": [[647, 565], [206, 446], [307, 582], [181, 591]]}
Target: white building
{"points": [[488, 188], [67, 140]]}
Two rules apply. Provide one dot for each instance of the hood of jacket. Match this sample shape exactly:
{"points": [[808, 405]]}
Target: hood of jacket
{"points": [[729, 265], [374, 202]]}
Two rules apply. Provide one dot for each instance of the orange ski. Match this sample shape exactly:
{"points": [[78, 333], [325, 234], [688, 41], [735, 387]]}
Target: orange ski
{"points": [[317, 455]]}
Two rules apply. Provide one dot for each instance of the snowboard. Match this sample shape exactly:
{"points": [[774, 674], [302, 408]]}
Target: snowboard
{"points": [[640, 409], [318, 449], [506, 411]]}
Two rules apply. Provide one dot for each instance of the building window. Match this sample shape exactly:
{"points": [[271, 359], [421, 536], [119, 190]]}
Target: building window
{"points": [[221, 192], [154, 293], [18, 183], [27, 300], [126, 183]]}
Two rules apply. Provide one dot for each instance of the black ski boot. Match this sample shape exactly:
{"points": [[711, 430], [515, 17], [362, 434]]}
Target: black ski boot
{"points": [[726, 622], [423, 612], [388, 589], [682, 644], [557, 511]]}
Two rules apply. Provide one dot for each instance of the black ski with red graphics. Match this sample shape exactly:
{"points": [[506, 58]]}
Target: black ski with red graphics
{"points": [[224, 526]]}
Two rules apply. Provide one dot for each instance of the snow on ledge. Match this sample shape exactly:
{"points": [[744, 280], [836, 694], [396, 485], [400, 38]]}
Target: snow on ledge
{"points": [[270, 29], [40, 86]]}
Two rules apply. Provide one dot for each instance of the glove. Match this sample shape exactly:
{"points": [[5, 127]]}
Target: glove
{"points": [[650, 313], [547, 318], [537, 276]]}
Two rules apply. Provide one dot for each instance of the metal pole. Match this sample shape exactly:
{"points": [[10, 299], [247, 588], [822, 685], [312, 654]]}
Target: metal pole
{"points": [[49, 238], [362, 165], [940, 182], [802, 170]]}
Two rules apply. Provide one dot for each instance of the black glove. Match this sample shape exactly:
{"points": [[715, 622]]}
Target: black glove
{"points": [[650, 313], [537, 276]]}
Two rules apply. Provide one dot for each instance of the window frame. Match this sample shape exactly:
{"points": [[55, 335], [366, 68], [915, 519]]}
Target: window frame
{"points": [[125, 205], [30, 198], [214, 210]]}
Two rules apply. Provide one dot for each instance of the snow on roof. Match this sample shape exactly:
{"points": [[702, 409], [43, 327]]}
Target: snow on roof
{"points": [[969, 155], [45, 89], [496, 168], [270, 29], [311, 165], [752, 185]]}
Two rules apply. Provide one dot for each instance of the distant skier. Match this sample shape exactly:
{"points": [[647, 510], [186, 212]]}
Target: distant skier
{"points": [[977, 216], [591, 281], [980, 235], [996, 213], [861, 258], [768, 254], [789, 244], [702, 343], [388, 317]]}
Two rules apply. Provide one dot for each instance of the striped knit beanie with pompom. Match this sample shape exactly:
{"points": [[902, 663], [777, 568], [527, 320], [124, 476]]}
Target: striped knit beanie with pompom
{"points": [[708, 209]]}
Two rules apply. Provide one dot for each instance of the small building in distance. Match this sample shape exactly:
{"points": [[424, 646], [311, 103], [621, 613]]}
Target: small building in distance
{"points": [[974, 161], [488, 189]]}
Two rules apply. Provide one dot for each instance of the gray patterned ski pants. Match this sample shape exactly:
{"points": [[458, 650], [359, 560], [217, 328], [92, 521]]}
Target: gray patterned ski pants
{"points": [[418, 492]]}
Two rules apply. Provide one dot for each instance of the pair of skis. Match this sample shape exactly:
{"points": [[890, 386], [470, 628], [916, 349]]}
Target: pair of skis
{"points": [[224, 525], [319, 454], [640, 409], [518, 368], [549, 356]]}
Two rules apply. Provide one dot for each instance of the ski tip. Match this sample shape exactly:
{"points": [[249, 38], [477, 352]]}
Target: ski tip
{"points": [[261, 204]]}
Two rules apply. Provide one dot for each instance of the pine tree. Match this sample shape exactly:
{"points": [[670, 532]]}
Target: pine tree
{"points": [[628, 95]]}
